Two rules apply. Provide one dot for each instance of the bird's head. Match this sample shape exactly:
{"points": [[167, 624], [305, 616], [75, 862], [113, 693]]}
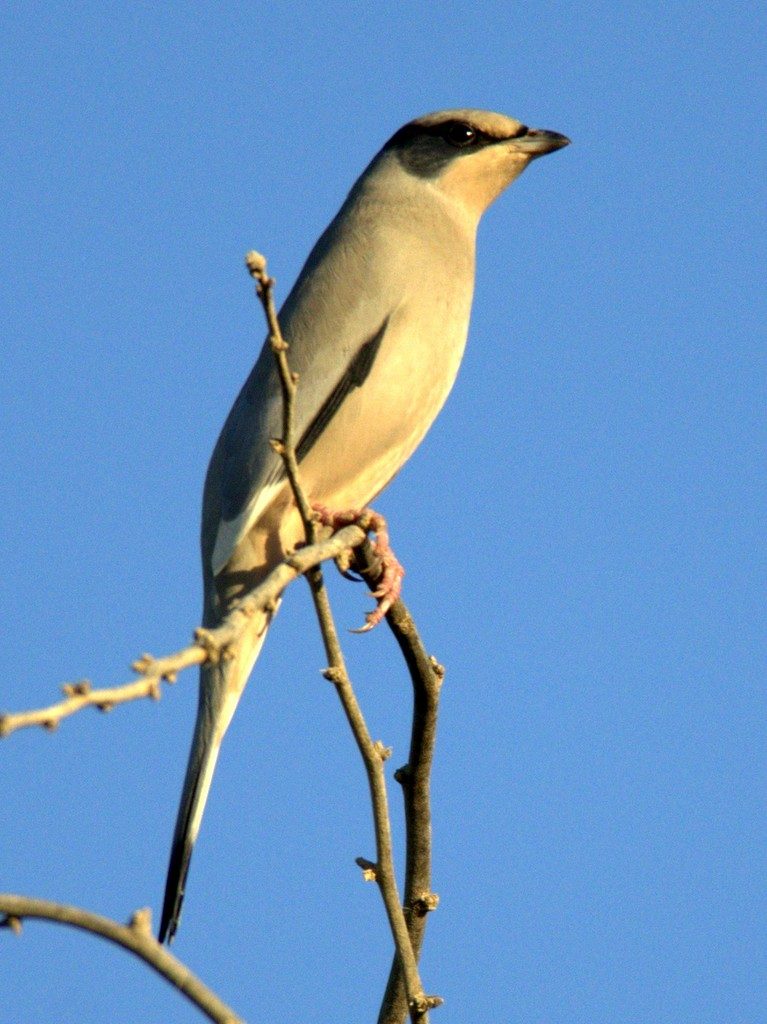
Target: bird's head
{"points": [[469, 155]]}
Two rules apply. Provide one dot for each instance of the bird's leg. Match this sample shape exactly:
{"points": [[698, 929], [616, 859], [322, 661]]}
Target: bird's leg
{"points": [[391, 571]]}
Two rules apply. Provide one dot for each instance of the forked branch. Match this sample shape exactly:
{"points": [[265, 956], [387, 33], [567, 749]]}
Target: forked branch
{"points": [[404, 993], [373, 753]]}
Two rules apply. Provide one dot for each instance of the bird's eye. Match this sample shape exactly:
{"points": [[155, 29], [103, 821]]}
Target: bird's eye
{"points": [[460, 135]]}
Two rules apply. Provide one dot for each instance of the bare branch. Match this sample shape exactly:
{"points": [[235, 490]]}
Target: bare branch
{"points": [[414, 777], [76, 697], [208, 644], [404, 993], [135, 937], [373, 757], [373, 753], [426, 676], [286, 445]]}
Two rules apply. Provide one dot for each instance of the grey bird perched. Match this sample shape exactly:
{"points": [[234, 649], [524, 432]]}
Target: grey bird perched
{"points": [[377, 324]]}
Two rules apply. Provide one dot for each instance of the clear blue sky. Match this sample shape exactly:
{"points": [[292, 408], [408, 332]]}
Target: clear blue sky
{"points": [[583, 529]]}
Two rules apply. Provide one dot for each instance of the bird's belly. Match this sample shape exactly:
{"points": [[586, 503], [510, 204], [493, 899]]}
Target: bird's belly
{"points": [[373, 433]]}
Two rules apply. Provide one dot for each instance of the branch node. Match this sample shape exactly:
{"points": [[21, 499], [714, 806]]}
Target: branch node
{"points": [[333, 675], [143, 665], [277, 446], [424, 903], [154, 690], [383, 752], [205, 639], [439, 670], [403, 775], [51, 724], [79, 689], [141, 921], [11, 922], [256, 264], [369, 869], [423, 1003]]}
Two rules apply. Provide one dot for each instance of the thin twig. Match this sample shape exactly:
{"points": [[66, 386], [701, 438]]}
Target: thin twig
{"points": [[208, 643], [373, 754], [414, 777], [426, 676], [135, 937], [285, 446]]}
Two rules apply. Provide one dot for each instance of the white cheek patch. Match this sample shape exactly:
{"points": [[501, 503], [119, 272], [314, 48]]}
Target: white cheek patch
{"points": [[231, 531]]}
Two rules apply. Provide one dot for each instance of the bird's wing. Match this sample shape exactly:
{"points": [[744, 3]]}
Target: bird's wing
{"points": [[333, 339], [354, 376]]}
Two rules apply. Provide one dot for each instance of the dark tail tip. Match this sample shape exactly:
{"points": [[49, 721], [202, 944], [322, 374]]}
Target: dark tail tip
{"points": [[180, 856]]}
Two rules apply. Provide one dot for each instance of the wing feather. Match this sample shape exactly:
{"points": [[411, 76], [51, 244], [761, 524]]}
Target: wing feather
{"points": [[334, 336]]}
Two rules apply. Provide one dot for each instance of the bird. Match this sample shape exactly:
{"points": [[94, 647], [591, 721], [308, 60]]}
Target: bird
{"points": [[376, 325]]}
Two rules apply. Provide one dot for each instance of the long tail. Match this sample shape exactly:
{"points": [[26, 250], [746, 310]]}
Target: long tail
{"points": [[221, 687]]}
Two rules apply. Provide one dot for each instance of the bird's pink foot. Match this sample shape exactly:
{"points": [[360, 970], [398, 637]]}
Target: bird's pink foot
{"points": [[389, 585]]}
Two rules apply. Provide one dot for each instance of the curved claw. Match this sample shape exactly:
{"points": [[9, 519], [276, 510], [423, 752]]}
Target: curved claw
{"points": [[379, 612], [387, 591], [390, 579]]}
